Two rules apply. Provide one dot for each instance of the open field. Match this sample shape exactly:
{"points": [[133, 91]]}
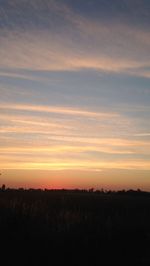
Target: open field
{"points": [[56, 227]]}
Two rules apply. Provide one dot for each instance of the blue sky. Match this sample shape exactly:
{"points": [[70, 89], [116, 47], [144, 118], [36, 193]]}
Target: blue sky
{"points": [[75, 93]]}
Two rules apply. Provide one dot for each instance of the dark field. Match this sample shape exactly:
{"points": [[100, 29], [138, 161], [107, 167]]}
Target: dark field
{"points": [[74, 227]]}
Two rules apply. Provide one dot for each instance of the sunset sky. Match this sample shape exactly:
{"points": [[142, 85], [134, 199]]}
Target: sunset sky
{"points": [[75, 93]]}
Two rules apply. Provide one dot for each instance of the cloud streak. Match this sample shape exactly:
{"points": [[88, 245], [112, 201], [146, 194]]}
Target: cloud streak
{"points": [[55, 109], [78, 165], [99, 45], [67, 138]]}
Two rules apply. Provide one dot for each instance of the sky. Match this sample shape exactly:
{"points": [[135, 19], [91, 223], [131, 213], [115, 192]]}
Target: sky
{"points": [[75, 94]]}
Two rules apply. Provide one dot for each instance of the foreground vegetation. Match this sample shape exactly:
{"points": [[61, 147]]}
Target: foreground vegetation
{"points": [[74, 227]]}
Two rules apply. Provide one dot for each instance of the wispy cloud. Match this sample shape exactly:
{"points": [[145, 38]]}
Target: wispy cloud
{"points": [[145, 134], [71, 139], [98, 45], [78, 165], [55, 109]]}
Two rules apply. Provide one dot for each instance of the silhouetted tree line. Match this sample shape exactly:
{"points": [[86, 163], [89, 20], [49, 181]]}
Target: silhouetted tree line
{"points": [[91, 190]]}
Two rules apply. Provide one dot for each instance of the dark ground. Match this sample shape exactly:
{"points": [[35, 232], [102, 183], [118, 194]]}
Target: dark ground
{"points": [[59, 227]]}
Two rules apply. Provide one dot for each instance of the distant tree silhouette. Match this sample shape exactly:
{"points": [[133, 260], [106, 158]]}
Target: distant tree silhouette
{"points": [[3, 187]]}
